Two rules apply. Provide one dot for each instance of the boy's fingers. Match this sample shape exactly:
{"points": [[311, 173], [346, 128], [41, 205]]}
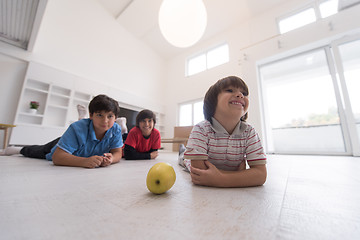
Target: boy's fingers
{"points": [[196, 171]]}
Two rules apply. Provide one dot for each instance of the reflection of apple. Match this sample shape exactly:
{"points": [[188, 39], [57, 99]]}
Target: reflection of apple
{"points": [[161, 177]]}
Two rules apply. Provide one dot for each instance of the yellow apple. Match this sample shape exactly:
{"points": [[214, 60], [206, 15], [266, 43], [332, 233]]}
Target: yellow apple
{"points": [[160, 178]]}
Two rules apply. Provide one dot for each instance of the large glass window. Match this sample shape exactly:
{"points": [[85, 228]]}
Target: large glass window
{"points": [[301, 105], [350, 59], [311, 101]]}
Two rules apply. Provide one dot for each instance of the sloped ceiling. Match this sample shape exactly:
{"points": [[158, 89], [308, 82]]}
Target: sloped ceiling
{"points": [[16, 21], [140, 18]]}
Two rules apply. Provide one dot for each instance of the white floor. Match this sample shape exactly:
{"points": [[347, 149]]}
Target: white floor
{"points": [[305, 197]]}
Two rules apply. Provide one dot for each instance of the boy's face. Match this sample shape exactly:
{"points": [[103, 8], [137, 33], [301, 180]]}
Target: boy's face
{"points": [[146, 126], [232, 102], [102, 120]]}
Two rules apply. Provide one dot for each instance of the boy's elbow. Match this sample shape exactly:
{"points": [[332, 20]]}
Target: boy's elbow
{"points": [[56, 157], [263, 178], [55, 160]]}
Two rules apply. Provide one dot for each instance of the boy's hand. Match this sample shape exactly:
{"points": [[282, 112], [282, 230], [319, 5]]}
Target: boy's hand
{"points": [[207, 177], [154, 154], [93, 161], [107, 159]]}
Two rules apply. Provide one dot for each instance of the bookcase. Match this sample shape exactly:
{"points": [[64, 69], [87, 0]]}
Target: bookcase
{"points": [[57, 110], [58, 94]]}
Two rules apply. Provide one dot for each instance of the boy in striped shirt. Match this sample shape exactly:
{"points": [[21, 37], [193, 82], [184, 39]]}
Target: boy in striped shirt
{"points": [[219, 147]]}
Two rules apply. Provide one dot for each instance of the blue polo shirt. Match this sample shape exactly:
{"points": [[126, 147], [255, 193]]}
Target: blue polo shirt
{"points": [[80, 140]]}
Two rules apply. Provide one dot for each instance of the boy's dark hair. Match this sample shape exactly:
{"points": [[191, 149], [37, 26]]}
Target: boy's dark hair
{"points": [[211, 96], [146, 113], [104, 103]]}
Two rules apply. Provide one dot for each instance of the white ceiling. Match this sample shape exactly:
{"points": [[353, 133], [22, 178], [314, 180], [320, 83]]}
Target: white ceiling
{"points": [[140, 17]]}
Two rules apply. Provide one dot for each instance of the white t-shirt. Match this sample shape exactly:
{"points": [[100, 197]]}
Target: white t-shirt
{"points": [[212, 142]]}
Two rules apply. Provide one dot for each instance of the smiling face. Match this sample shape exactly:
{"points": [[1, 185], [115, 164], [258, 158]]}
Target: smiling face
{"points": [[146, 126], [102, 122], [232, 102]]}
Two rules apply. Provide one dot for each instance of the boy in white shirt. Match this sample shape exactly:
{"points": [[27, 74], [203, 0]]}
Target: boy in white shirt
{"points": [[219, 147]]}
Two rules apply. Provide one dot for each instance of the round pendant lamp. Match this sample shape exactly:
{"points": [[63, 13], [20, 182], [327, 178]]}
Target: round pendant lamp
{"points": [[182, 22]]}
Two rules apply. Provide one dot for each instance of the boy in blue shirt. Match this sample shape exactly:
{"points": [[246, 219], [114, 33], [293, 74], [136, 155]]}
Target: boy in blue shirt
{"points": [[92, 142]]}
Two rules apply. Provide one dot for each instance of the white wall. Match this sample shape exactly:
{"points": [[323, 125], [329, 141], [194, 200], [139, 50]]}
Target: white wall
{"points": [[80, 37], [256, 39], [12, 72]]}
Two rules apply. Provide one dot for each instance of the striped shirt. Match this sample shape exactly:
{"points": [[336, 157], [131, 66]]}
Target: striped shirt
{"points": [[212, 142]]}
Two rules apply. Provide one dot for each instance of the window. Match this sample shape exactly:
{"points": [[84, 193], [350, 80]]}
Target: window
{"points": [[197, 64], [191, 113], [328, 8], [310, 101], [300, 100], [217, 56], [308, 15], [208, 59], [349, 53], [297, 20]]}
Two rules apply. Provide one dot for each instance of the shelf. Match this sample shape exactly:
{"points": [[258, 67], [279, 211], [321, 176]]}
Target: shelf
{"points": [[31, 114], [61, 91], [58, 106], [28, 118], [36, 90], [60, 95], [82, 96], [55, 116], [33, 95], [57, 100], [38, 85]]}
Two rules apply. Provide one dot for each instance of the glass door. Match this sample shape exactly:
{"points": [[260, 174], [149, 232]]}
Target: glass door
{"points": [[347, 56], [311, 101], [300, 104]]}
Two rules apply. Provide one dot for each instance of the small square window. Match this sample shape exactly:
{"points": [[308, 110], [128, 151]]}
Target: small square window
{"points": [[185, 115], [191, 113], [297, 20], [328, 8], [196, 64], [208, 59], [198, 112], [218, 56]]}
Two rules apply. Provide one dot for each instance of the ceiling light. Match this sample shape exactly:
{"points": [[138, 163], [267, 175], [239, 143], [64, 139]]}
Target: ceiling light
{"points": [[182, 22]]}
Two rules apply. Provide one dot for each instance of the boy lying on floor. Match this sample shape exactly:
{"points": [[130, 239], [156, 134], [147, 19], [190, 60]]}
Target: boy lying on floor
{"points": [[92, 142]]}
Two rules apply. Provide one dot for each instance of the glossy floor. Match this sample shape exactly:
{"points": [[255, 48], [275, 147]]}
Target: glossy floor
{"points": [[305, 197]]}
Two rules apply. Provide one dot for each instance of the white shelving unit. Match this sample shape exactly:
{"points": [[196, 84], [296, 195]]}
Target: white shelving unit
{"points": [[58, 94], [57, 106]]}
